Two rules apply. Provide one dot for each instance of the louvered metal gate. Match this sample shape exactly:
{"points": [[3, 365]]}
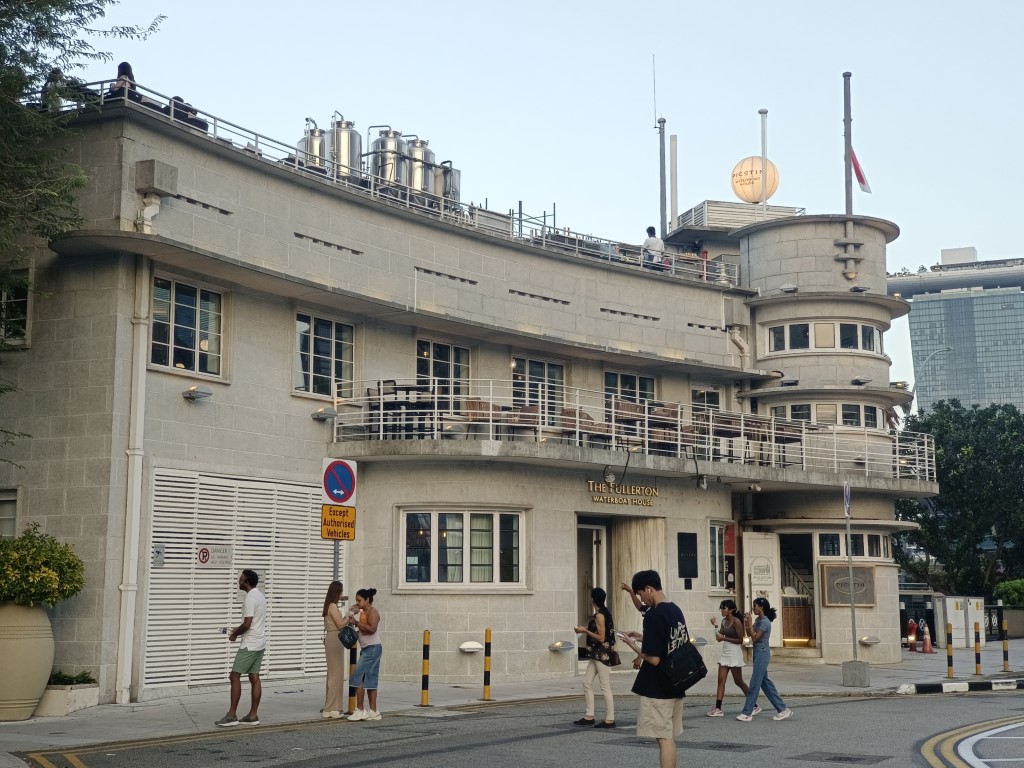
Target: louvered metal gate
{"points": [[273, 527]]}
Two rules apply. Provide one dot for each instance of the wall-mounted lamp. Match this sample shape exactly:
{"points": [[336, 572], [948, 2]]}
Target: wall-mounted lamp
{"points": [[324, 414], [609, 476], [471, 646], [197, 392], [859, 289], [702, 482], [869, 640], [788, 288], [860, 381], [754, 488], [789, 382], [850, 274], [859, 460], [562, 646], [899, 385]]}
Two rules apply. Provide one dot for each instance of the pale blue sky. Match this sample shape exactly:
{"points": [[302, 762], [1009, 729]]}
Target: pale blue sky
{"points": [[552, 102]]}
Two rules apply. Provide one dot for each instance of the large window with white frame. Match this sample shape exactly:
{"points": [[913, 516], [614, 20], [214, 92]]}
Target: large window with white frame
{"points": [[446, 364], [472, 547], [628, 386], [8, 512], [325, 351], [538, 382], [187, 327], [14, 296], [838, 545]]}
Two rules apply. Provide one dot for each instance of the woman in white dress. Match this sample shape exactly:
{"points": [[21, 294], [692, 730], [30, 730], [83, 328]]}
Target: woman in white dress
{"points": [[730, 635]]}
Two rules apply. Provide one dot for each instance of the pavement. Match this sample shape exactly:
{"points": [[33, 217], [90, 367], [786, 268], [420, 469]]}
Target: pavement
{"points": [[298, 702]]}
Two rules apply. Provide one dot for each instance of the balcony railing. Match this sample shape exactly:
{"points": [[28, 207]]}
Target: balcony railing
{"points": [[536, 411], [442, 205]]}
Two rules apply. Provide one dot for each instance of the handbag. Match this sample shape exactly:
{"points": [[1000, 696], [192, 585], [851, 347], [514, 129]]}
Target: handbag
{"points": [[348, 636], [605, 655], [684, 666]]}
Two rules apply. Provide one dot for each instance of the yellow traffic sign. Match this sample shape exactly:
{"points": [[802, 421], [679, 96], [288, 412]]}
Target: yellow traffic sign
{"points": [[337, 522]]}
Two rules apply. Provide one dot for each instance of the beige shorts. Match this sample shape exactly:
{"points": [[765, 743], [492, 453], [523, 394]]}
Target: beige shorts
{"points": [[659, 718]]}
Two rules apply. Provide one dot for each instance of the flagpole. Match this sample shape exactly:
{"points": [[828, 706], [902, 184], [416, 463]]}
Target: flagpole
{"points": [[848, 140], [764, 163]]}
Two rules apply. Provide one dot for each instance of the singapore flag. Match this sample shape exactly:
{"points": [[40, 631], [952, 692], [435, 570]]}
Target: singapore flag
{"points": [[862, 180]]}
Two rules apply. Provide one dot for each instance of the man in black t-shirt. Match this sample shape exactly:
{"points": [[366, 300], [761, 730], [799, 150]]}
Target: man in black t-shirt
{"points": [[660, 714]]}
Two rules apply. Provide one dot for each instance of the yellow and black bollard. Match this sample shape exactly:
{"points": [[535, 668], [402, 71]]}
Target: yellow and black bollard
{"points": [[977, 648], [949, 651], [351, 688], [487, 666], [425, 685], [1006, 648]]}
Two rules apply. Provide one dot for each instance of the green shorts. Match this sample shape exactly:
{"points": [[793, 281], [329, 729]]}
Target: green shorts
{"points": [[247, 662]]}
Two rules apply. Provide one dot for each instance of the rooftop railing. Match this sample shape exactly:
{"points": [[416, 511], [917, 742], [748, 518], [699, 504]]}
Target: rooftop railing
{"points": [[441, 206], [534, 411]]}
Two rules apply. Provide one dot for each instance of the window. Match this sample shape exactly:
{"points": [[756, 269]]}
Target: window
{"points": [[628, 386], [538, 382], [828, 544], [851, 415], [799, 336], [855, 546], [848, 336], [706, 399], [8, 512], [824, 335], [437, 549], [800, 412], [874, 545], [325, 351], [186, 329], [14, 307], [870, 417], [779, 412], [722, 549], [867, 338], [777, 338], [827, 413], [447, 364]]}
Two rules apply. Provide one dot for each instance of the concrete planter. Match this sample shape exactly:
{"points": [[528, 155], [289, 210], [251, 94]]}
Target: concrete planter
{"points": [[62, 700]]}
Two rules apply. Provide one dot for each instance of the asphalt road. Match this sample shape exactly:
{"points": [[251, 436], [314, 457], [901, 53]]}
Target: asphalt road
{"points": [[824, 731]]}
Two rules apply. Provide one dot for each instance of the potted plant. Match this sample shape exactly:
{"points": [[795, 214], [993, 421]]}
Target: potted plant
{"points": [[35, 570]]}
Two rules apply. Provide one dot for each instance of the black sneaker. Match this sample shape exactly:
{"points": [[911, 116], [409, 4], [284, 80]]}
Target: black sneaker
{"points": [[227, 720], [583, 721], [605, 724]]}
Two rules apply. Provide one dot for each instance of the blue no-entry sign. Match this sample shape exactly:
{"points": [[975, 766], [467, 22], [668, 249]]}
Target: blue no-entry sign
{"points": [[339, 483]]}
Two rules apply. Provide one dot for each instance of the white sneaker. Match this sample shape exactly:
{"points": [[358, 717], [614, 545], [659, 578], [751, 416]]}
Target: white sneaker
{"points": [[372, 714], [756, 710], [783, 714], [359, 714]]}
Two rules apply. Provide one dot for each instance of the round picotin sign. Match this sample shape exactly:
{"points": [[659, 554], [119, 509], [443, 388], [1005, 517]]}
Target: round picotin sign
{"points": [[339, 483]]}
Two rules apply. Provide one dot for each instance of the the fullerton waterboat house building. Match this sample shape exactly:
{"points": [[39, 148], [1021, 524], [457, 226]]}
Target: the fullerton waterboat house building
{"points": [[532, 412]]}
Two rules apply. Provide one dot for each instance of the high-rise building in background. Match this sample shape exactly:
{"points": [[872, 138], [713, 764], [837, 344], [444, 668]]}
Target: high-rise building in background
{"points": [[966, 329]]}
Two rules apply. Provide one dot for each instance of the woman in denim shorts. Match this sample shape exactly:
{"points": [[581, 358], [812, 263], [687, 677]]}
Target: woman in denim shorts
{"points": [[365, 618]]}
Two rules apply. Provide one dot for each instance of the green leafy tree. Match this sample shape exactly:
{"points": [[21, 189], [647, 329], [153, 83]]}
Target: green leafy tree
{"points": [[972, 533], [1011, 592], [41, 43]]}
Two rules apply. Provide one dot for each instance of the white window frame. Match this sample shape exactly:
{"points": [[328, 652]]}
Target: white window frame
{"points": [[9, 298], [197, 349], [299, 375], [8, 512], [466, 584], [815, 330], [716, 555]]}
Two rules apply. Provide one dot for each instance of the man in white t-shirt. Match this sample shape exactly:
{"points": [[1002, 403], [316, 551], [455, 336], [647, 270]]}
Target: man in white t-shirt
{"points": [[653, 249], [249, 657]]}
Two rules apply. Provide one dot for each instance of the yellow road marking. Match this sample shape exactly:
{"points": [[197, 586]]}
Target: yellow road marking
{"points": [[946, 743]]}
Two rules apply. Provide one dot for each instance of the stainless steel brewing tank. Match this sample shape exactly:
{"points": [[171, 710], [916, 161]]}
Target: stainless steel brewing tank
{"points": [[421, 166], [313, 148], [345, 149], [387, 159], [447, 181]]}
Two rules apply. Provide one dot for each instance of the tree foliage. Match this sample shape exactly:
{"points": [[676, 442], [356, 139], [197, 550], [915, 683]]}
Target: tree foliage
{"points": [[972, 533]]}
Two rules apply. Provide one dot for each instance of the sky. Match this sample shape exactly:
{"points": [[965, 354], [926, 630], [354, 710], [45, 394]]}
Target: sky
{"points": [[554, 104]]}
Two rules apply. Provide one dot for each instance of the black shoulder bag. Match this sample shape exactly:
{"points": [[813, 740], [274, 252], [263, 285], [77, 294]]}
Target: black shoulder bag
{"points": [[684, 667]]}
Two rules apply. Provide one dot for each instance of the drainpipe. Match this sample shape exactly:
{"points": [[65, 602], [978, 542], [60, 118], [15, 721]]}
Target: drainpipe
{"points": [[133, 510], [734, 336]]}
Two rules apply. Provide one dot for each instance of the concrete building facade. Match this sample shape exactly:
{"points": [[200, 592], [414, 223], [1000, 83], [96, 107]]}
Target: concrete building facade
{"points": [[530, 415]]}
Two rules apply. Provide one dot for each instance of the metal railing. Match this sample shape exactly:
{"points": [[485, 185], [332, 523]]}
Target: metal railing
{"points": [[520, 410], [540, 234]]}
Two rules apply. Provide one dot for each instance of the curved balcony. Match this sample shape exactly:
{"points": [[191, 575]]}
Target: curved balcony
{"points": [[540, 412]]}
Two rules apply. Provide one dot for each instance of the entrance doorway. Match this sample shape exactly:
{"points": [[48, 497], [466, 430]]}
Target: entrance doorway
{"points": [[591, 566], [796, 551]]}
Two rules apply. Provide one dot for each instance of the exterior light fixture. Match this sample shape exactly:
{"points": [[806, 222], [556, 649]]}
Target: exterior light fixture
{"points": [[859, 289], [559, 646], [324, 414], [861, 381], [609, 476], [197, 392], [754, 487], [702, 482], [789, 382], [471, 646], [788, 288]]}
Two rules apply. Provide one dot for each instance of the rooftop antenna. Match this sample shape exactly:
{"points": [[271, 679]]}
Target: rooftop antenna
{"points": [[659, 124]]}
